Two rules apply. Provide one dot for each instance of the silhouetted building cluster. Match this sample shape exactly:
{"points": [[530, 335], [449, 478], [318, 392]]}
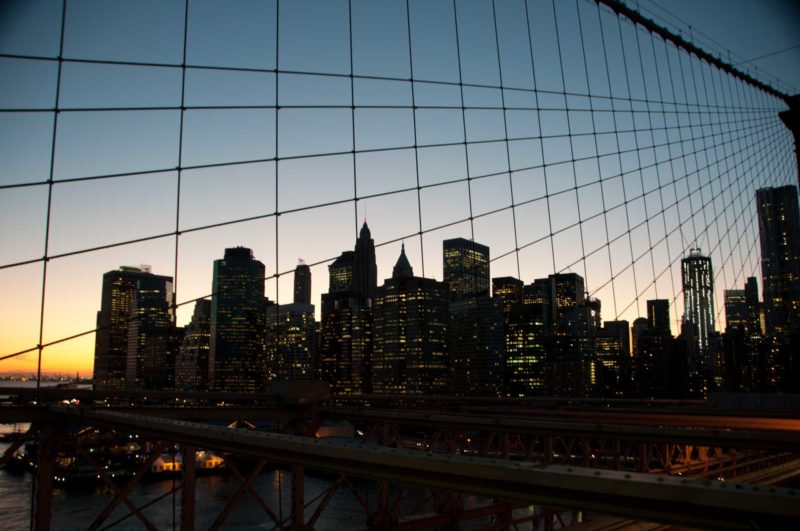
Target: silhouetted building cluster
{"points": [[415, 335], [761, 344]]}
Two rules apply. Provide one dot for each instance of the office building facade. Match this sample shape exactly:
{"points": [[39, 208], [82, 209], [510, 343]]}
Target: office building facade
{"points": [[236, 355]]}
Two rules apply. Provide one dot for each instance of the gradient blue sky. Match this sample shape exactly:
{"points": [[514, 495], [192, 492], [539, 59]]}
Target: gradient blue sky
{"points": [[314, 40]]}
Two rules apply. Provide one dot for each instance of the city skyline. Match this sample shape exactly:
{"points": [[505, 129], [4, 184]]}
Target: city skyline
{"points": [[462, 243], [526, 338], [456, 192]]}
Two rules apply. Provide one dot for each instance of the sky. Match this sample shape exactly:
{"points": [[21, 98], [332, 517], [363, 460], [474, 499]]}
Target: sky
{"points": [[120, 137]]}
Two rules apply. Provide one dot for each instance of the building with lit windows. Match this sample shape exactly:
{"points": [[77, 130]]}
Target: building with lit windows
{"points": [[658, 315], [527, 339], [340, 273], [345, 343], [410, 333], [509, 290], [754, 322], [302, 284], [567, 292], [289, 341], [735, 309], [538, 292], [779, 233], [475, 330], [660, 366], [465, 264], [236, 360], [118, 301], [612, 360], [153, 340], [345, 339], [365, 269], [191, 366], [698, 298], [475, 346], [698, 327]]}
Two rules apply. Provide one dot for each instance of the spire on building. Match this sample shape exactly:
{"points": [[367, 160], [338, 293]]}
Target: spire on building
{"points": [[365, 233], [402, 269], [365, 269]]}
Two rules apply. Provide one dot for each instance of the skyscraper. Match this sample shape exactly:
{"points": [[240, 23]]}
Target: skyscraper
{"points": [[698, 297], [465, 267], [118, 300], [365, 269], [345, 345], [742, 341], [658, 315], [779, 233], [613, 364], [410, 333], [509, 289], [191, 367], [290, 339], [152, 337], [475, 326], [527, 339], [754, 328], [302, 284], [735, 309], [475, 346], [705, 360], [574, 321], [567, 292], [236, 355], [340, 273]]}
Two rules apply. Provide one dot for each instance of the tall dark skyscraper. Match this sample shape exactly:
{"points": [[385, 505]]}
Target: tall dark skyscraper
{"points": [[236, 355], [567, 292], [118, 300], [754, 327], [658, 315], [152, 338], [345, 343], [290, 340], [345, 351], [191, 367], [704, 360], [509, 291], [475, 327], [735, 309], [698, 297], [527, 339], [466, 268], [340, 273], [302, 284], [410, 333], [475, 346], [779, 233], [743, 339], [365, 269], [613, 365]]}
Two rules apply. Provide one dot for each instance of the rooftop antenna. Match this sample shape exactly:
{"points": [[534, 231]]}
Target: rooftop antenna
{"points": [[683, 240]]}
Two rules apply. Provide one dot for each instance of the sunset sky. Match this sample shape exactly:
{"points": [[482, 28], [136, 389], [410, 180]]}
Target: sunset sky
{"points": [[99, 134]]}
